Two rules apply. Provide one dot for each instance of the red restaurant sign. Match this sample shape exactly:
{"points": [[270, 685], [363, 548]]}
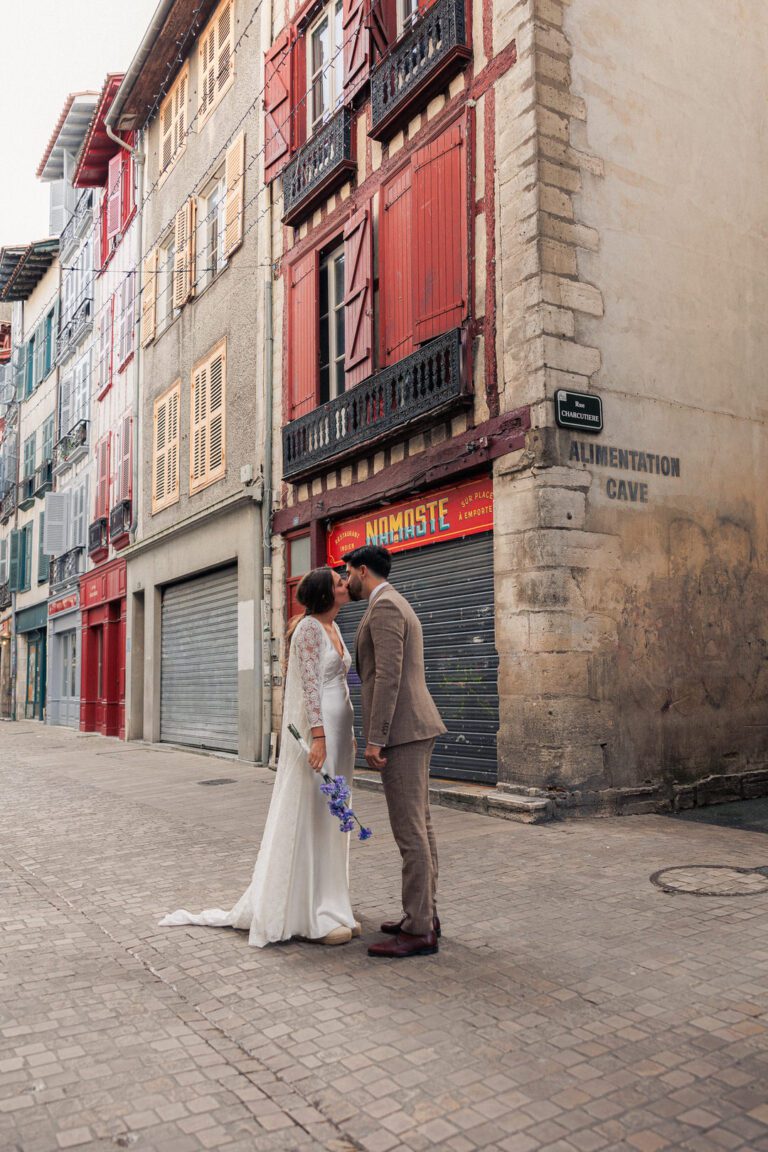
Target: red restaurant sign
{"points": [[426, 519], [63, 604]]}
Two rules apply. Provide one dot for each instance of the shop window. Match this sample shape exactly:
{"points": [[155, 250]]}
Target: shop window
{"points": [[298, 563]]}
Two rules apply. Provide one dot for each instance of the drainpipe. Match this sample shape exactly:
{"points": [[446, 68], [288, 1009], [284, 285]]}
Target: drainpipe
{"points": [[266, 508]]}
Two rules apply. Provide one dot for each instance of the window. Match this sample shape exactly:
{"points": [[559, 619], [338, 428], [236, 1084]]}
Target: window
{"points": [[211, 229], [81, 389], [4, 560], [149, 297], [43, 561], [407, 12], [68, 649], [297, 564], [165, 262], [48, 440], [165, 449], [101, 509], [77, 290], [65, 519], [208, 417], [122, 462], [215, 60], [325, 64], [125, 320], [29, 379], [173, 122], [20, 564], [118, 202], [332, 324], [104, 363]]}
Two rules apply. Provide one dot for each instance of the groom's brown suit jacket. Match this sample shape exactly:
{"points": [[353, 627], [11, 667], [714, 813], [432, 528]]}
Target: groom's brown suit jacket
{"points": [[389, 652]]}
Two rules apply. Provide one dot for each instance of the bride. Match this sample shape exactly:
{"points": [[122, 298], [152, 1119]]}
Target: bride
{"points": [[300, 885]]}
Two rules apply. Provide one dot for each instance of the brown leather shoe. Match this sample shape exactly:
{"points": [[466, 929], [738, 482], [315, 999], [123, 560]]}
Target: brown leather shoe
{"points": [[392, 927], [403, 945]]}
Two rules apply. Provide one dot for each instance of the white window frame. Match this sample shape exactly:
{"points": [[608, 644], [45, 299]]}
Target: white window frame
{"points": [[165, 311], [330, 71], [407, 15], [211, 229], [330, 258]]}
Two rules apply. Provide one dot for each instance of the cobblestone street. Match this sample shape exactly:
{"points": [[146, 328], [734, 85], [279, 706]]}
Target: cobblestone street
{"points": [[574, 1006]]}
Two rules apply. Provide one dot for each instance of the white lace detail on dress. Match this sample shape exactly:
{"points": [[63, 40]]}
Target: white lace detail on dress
{"points": [[309, 641]]}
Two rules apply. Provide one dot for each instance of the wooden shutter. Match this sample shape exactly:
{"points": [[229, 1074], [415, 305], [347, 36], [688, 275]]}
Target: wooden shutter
{"points": [[102, 477], [207, 69], [165, 454], [125, 477], [278, 101], [129, 314], [440, 271], [114, 195], [395, 274], [166, 133], [180, 110], [184, 255], [65, 404], [358, 297], [149, 298], [3, 560], [14, 564], [127, 203], [57, 518], [104, 369], [42, 574], [79, 524], [26, 579], [381, 18], [234, 181], [208, 407], [81, 394], [224, 51], [356, 40], [303, 323]]}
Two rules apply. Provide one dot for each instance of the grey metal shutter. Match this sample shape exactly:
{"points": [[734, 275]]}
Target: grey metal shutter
{"points": [[450, 587], [198, 683]]}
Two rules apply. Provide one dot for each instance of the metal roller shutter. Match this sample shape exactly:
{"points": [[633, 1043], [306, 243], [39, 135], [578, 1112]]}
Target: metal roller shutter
{"points": [[450, 587], [198, 685]]}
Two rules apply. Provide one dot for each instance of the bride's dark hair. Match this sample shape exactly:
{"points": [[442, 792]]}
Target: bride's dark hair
{"points": [[315, 593]]}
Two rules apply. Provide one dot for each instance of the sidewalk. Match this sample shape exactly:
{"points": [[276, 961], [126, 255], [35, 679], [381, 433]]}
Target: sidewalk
{"points": [[574, 1005]]}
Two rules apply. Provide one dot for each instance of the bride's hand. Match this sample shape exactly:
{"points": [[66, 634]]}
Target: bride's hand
{"points": [[317, 753]]}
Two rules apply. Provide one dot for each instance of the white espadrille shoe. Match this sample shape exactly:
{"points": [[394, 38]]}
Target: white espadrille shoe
{"points": [[339, 935]]}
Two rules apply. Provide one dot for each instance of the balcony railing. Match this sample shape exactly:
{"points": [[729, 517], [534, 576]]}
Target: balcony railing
{"points": [[318, 168], [44, 478], [5, 596], [27, 492], [73, 327], [8, 504], [120, 524], [68, 566], [429, 381], [98, 540], [422, 62], [71, 447], [78, 222]]}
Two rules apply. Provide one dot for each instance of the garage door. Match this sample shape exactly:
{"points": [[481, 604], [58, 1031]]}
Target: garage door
{"points": [[450, 587], [198, 685]]}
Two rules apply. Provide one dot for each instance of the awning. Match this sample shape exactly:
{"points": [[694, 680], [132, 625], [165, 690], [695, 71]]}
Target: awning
{"points": [[68, 134], [23, 267], [97, 148]]}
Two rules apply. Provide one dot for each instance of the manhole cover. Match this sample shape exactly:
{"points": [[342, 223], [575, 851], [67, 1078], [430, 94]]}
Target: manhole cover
{"points": [[712, 880], [221, 780]]}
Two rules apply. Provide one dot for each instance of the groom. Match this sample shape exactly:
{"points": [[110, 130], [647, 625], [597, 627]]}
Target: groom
{"points": [[400, 723]]}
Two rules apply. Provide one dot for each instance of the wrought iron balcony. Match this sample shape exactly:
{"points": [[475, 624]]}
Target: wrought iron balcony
{"points": [[428, 382], [67, 567], [5, 596], [120, 524], [8, 505], [44, 478], [71, 447], [421, 63], [318, 168], [27, 492], [78, 223], [73, 328], [98, 540]]}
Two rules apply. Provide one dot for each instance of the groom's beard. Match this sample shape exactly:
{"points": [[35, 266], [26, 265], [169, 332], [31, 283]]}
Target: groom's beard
{"points": [[355, 590]]}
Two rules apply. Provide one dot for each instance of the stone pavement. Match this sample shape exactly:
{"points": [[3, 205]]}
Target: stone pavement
{"points": [[574, 1006]]}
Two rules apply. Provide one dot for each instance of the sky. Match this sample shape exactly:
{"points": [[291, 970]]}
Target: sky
{"points": [[52, 48]]}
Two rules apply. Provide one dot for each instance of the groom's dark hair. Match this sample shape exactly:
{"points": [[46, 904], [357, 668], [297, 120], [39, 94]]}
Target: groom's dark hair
{"points": [[377, 559]]}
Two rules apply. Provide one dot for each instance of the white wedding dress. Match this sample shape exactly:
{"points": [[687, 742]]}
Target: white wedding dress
{"points": [[300, 884]]}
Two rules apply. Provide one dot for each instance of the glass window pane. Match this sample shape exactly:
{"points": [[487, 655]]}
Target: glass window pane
{"points": [[298, 556]]}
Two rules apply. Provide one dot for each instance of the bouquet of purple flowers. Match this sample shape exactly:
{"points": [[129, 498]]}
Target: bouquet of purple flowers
{"points": [[338, 793]]}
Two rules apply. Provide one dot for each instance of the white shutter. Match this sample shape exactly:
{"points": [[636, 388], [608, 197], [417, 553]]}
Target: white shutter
{"points": [[57, 217], [65, 404], [105, 341], [79, 514], [81, 397], [56, 528], [114, 194]]}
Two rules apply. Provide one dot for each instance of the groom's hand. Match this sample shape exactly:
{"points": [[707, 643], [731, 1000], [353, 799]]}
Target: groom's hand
{"points": [[373, 756]]}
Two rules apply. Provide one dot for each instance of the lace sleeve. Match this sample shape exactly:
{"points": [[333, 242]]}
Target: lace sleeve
{"points": [[308, 641]]}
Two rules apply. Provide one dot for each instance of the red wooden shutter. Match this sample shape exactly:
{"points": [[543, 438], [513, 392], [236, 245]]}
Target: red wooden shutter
{"points": [[127, 200], [277, 104], [395, 269], [303, 320], [102, 483], [381, 18], [300, 96], [126, 458], [440, 234], [358, 297], [356, 39], [114, 194]]}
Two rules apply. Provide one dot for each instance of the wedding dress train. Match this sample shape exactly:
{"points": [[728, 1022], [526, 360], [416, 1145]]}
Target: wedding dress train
{"points": [[300, 884]]}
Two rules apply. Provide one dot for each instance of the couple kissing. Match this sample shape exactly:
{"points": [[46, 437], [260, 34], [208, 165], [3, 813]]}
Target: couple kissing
{"points": [[300, 883]]}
